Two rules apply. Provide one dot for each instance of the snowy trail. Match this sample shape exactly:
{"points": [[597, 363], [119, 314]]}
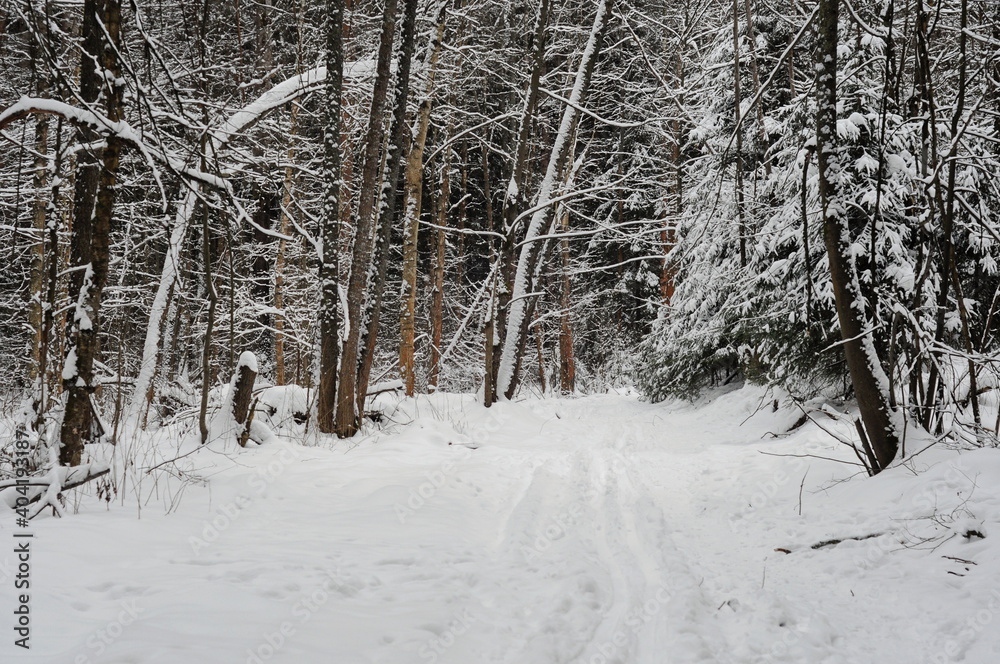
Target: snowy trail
{"points": [[595, 531]]}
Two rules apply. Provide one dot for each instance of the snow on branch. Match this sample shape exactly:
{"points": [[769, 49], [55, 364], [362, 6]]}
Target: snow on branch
{"points": [[101, 124]]}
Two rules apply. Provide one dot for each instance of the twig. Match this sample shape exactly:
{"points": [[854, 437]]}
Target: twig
{"points": [[811, 456], [801, 486], [833, 542], [163, 463]]}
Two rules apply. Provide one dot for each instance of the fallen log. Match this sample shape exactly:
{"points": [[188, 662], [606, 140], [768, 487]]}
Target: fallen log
{"points": [[70, 477]]}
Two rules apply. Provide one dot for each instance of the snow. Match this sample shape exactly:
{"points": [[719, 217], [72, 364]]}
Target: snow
{"points": [[249, 360], [280, 405], [151, 152], [594, 530], [277, 404], [283, 92], [69, 366]]}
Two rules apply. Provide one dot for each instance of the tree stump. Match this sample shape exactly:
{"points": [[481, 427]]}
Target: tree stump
{"points": [[243, 381]]}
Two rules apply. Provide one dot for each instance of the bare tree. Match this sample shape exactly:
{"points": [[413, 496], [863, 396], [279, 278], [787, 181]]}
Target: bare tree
{"points": [[347, 398], [93, 212], [329, 312]]}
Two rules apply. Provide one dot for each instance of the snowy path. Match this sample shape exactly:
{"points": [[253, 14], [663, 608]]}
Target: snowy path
{"points": [[597, 530]]}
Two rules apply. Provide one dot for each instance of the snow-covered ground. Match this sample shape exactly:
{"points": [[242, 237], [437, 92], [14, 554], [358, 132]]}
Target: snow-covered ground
{"points": [[594, 530]]}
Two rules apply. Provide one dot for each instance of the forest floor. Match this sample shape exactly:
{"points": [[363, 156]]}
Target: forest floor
{"points": [[595, 530]]}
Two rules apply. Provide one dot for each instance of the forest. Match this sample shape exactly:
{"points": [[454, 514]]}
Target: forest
{"points": [[291, 222], [498, 196]]}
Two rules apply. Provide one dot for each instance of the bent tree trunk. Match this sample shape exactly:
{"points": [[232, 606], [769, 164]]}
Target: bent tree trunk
{"points": [[514, 201], [93, 207], [867, 375], [531, 249], [142, 393], [286, 91]]}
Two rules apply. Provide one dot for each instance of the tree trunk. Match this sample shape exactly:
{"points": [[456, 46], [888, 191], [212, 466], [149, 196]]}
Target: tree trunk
{"points": [[668, 234], [867, 375], [540, 348], [36, 307], [51, 278], [399, 142], [213, 301], [412, 195], [737, 112], [463, 216], [329, 316], [515, 200], [93, 208], [284, 227], [246, 374], [755, 73], [567, 363], [348, 417], [39, 184], [949, 262], [437, 297], [489, 323], [528, 261]]}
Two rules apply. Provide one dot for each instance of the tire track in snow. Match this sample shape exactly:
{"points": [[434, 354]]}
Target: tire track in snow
{"points": [[661, 614], [760, 625], [538, 551]]}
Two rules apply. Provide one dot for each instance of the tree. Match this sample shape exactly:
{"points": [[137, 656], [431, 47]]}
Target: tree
{"points": [[521, 305], [413, 178], [398, 143], [357, 288], [867, 375], [329, 312], [93, 212]]}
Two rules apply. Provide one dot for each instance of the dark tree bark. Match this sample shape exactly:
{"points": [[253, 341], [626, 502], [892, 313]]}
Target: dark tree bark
{"points": [[280, 259], [243, 397], [93, 209], [490, 323], [949, 262], [51, 283], [567, 363], [213, 301], [463, 216], [737, 119], [348, 417], [206, 248], [540, 348], [668, 235], [867, 375], [398, 144], [36, 304], [329, 313]]}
